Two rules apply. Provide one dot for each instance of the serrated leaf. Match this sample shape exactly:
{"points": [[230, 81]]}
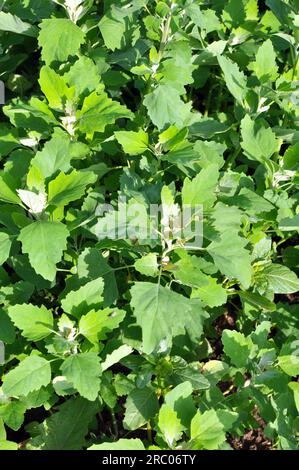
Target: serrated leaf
{"points": [[147, 265], [280, 279], [44, 242], [265, 67], [83, 371], [258, 141], [116, 356], [165, 106], [141, 406], [29, 375], [231, 257], [208, 429], [201, 189], [67, 188], [236, 346], [98, 111], [66, 39], [97, 324], [34, 322], [84, 299], [169, 425], [154, 304], [235, 80], [133, 143], [13, 24]]}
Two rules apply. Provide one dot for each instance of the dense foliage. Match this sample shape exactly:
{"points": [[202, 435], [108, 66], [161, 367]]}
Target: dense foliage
{"points": [[129, 340]]}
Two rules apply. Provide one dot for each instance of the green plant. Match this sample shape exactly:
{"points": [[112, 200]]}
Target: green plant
{"points": [[131, 335]]}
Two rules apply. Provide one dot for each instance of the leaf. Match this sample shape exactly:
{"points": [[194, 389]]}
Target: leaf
{"points": [[66, 429], [202, 188], [231, 257], [8, 188], [55, 156], [258, 142], [83, 75], [98, 111], [112, 30], [181, 401], [13, 24], [288, 359], [208, 429], [141, 406], [31, 374], [35, 322], [121, 444], [147, 265], [96, 325], [5, 245], [257, 300], [54, 88], [67, 188], [236, 346], [13, 414], [235, 80], [66, 39], [164, 106], [44, 242], [133, 143], [7, 331], [265, 67], [169, 425], [87, 297], [83, 371], [280, 279], [116, 356], [156, 305]]}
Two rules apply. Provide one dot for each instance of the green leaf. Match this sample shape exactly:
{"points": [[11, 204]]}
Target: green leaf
{"points": [[169, 425], [181, 401], [66, 429], [31, 374], [280, 279], [67, 188], [65, 39], [8, 188], [156, 305], [83, 372], [133, 143], [201, 189], [7, 331], [231, 257], [83, 75], [164, 106], [98, 111], [265, 67], [5, 245], [13, 24], [44, 242], [141, 406], [54, 88], [97, 324], [208, 429], [55, 156], [288, 359], [235, 79], [112, 30], [35, 322], [121, 444], [87, 297], [236, 346], [116, 356], [258, 141], [13, 414], [147, 265]]}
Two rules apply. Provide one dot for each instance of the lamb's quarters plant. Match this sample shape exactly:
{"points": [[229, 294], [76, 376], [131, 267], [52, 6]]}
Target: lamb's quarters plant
{"points": [[149, 210]]}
